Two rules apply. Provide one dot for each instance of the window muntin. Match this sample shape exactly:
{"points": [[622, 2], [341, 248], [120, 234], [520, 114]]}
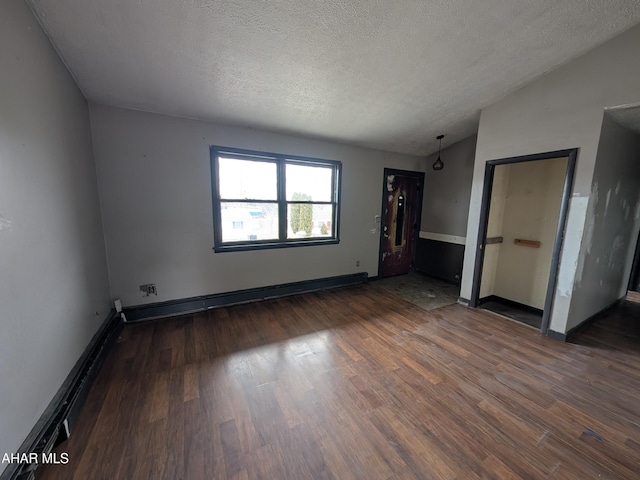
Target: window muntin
{"points": [[265, 200]]}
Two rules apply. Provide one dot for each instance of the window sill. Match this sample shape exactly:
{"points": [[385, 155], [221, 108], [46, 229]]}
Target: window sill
{"points": [[242, 247]]}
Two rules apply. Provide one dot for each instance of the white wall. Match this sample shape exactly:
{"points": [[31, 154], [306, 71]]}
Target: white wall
{"points": [[155, 183], [531, 212], [561, 110], [53, 276], [613, 220]]}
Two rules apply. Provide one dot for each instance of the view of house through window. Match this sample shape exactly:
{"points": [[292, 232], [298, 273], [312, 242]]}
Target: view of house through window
{"points": [[267, 200]]}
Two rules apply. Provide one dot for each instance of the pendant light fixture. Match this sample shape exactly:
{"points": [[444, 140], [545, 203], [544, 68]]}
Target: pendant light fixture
{"points": [[438, 165]]}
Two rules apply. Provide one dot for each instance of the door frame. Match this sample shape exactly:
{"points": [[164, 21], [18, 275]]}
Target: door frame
{"points": [[634, 276], [404, 173], [489, 170]]}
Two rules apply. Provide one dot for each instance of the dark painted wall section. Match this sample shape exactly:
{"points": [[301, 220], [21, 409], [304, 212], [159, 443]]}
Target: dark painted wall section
{"points": [[441, 260], [445, 209]]}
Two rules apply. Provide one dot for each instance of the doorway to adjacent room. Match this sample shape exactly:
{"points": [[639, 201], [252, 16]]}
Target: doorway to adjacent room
{"points": [[522, 223]]}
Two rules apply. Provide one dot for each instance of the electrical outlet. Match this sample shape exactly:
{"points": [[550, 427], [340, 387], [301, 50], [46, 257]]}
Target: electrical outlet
{"points": [[357, 263], [149, 289]]}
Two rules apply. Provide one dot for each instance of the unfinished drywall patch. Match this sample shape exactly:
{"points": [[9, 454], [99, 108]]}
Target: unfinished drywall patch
{"points": [[571, 251], [611, 225], [5, 223], [587, 235], [568, 263]]}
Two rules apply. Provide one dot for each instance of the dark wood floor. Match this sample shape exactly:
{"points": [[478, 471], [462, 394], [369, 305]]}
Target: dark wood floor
{"points": [[356, 383]]}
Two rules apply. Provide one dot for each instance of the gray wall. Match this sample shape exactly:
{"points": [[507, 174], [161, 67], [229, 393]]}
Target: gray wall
{"points": [[155, 184], [613, 220], [445, 205], [563, 109], [53, 275]]}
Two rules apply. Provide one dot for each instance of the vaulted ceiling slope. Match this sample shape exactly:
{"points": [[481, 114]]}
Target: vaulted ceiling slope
{"points": [[389, 75]]}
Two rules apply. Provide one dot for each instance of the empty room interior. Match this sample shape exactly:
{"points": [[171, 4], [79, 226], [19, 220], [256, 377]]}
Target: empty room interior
{"points": [[338, 239]]}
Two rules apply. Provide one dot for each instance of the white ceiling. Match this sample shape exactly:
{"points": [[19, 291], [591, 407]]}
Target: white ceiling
{"points": [[386, 74], [628, 116]]}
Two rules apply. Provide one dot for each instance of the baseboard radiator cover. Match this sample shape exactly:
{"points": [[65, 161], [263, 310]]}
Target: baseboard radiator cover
{"points": [[56, 423], [197, 304]]}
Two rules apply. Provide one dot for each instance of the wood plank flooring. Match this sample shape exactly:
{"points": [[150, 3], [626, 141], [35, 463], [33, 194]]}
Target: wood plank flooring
{"points": [[356, 384]]}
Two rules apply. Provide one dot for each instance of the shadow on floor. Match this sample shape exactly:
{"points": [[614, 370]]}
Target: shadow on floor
{"points": [[514, 312]]}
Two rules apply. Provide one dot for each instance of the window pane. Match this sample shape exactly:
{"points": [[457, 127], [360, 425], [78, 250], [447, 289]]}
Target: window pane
{"points": [[246, 179], [308, 220], [244, 221], [309, 183]]}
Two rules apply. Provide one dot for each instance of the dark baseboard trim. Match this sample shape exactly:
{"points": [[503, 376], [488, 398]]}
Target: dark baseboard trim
{"points": [[506, 301], [197, 304], [68, 401], [557, 335], [583, 325], [566, 337], [464, 301]]}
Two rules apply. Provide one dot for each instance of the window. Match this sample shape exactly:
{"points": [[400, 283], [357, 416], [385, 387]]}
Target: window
{"points": [[266, 200]]}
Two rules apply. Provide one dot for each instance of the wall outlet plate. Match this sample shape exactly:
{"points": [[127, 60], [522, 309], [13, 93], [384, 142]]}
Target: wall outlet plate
{"points": [[149, 289]]}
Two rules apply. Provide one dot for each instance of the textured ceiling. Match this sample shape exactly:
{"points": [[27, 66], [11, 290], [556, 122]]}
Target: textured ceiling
{"points": [[627, 115], [383, 74]]}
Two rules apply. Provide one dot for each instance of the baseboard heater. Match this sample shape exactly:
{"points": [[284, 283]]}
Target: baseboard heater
{"points": [[57, 421], [196, 304]]}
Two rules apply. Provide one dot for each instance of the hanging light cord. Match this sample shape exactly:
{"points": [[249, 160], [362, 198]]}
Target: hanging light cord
{"points": [[438, 164]]}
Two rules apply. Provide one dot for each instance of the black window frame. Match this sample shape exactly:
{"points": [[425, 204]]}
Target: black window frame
{"points": [[281, 161]]}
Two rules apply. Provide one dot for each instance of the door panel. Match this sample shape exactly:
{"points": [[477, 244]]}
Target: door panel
{"points": [[400, 216]]}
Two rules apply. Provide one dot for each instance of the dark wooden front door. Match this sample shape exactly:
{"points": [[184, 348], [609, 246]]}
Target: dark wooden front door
{"points": [[401, 206]]}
